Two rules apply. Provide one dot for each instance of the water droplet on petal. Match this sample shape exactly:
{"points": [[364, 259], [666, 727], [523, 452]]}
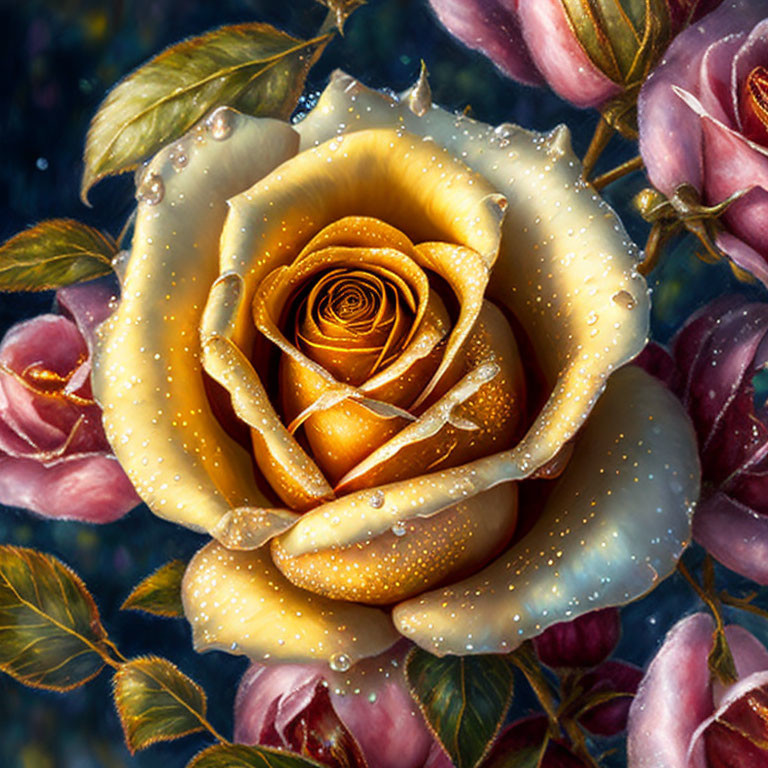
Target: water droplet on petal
{"points": [[376, 499], [339, 662], [151, 190], [221, 123], [624, 299], [399, 528]]}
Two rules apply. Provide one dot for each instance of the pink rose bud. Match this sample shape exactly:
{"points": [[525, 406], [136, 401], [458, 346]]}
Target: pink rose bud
{"points": [[54, 456], [718, 352], [587, 58], [679, 719], [583, 642], [703, 119], [366, 712]]}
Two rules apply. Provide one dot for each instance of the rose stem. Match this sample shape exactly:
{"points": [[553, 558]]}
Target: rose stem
{"points": [[524, 658], [726, 671], [634, 164], [600, 138], [653, 245]]}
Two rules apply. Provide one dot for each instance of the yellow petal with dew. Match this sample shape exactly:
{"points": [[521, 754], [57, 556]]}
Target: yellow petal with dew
{"points": [[566, 266], [412, 556], [240, 603], [147, 374], [291, 473], [615, 524]]}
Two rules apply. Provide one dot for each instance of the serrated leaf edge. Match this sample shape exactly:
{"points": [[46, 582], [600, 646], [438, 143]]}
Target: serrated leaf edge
{"points": [[152, 612], [96, 622], [89, 180], [433, 731], [124, 670], [276, 750]]}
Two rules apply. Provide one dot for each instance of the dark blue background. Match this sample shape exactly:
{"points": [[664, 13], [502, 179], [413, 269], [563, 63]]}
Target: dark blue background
{"points": [[59, 58]]}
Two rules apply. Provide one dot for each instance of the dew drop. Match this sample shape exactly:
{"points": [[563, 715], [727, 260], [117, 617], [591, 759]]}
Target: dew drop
{"points": [[151, 190], [221, 123], [339, 662], [399, 528], [376, 499], [624, 299]]}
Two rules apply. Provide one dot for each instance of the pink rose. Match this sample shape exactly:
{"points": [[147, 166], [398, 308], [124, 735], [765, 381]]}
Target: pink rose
{"points": [[337, 718], [716, 355], [703, 117], [541, 41], [681, 719], [54, 457]]}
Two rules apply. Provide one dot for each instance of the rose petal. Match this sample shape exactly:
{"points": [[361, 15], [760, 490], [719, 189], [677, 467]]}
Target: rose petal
{"points": [[291, 473], [738, 690], [670, 134], [240, 603], [89, 304], [610, 717], [147, 372], [492, 27], [560, 57], [673, 698], [621, 509], [391, 566], [715, 79], [90, 488], [743, 256], [548, 267], [733, 534], [491, 395], [583, 642], [753, 53]]}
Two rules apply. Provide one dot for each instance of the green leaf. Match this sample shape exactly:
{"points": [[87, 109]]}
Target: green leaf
{"points": [[160, 592], [53, 254], [50, 633], [463, 698], [252, 67], [240, 756], [156, 702]]}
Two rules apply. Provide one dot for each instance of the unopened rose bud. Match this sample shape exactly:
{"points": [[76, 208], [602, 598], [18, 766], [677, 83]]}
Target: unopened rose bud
{"points": [[583, 642]]}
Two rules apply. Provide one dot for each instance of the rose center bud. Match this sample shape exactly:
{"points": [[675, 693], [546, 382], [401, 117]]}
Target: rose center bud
{"points": [[386, 384], [754, 105], [739, 735], [354, 322]]}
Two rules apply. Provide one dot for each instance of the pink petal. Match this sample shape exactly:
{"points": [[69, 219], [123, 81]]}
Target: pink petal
{"points": [[749, 654], [491, 27], [725, 359], [49, 339], [584, 642], [715, 79], [673, 698], [670, 133], [733, 534], [559, 55], [753, 53], [743, 255], [89, 488], [270, 696], [89, 304], [733, 164], [734, 693], [371, 699]]}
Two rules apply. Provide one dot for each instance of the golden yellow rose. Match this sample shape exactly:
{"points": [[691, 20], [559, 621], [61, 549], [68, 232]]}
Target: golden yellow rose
{"points": [[412, 312]]}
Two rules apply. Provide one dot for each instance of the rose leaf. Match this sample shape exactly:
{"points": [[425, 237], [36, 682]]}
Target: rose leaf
{"points": [[156, 702], [160, 592], [53, 254], [241, 756], [463, 698], [252, 67], [50, 632]]}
